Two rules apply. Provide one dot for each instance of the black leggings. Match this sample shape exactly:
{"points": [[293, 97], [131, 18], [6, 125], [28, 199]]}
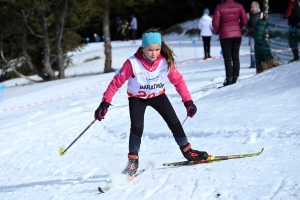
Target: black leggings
{"points": [[162, 105], [133, 34], [293, 41], [231, 48], [206, 43]]}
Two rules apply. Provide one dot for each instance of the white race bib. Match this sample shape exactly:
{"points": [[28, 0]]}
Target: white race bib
{"points": [[147, 84]]}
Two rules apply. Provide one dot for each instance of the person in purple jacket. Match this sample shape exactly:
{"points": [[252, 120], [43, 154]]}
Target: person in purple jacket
{"points": [[228, 20]]}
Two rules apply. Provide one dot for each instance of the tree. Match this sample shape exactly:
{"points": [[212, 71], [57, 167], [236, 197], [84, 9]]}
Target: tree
{"points": [[106, 28], [11, 43], [107, 40], [45, 32], [60, 10]]}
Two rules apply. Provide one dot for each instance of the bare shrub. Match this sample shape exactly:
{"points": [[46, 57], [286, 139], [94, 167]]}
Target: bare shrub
{"points": [[91, 59]]}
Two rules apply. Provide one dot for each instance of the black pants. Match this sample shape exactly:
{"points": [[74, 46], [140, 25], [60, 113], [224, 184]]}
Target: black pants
{"points": [[293, 41], [162, 105], [231, 48], [206, 44], [133, 34]]}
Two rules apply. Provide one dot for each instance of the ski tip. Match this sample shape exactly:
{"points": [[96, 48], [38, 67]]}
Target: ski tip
{"points": [[130, 178], [100, 190], [210, 157]]}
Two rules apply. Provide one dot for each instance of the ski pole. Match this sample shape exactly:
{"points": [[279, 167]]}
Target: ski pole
{"points": [[63, 151], [184, 120]]}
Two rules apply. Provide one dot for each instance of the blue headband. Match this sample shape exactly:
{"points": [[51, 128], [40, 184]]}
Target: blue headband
{"points": [[151, 38]]}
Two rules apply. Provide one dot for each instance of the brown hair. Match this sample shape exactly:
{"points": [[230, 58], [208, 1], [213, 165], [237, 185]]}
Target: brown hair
{"points": [[166, 51]]}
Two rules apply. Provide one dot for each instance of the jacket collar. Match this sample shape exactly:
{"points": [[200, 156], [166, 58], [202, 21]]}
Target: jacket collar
{"points": [[145, 61], [255, 12]]}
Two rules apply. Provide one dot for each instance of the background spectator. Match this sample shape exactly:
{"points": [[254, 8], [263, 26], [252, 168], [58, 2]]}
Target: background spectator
{"points": [[254, 15], [133, 25], [119, 28], [206, 31], [228, 19], [293, 14], [125, 30], [97, 38]]}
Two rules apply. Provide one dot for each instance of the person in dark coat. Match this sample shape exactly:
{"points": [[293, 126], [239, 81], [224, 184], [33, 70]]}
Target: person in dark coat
{"points": [[119, 29], [254, 15], [293, 15], [229, 17]]}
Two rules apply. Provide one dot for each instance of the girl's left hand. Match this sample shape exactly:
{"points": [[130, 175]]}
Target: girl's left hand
{"points": [[191, 108]]}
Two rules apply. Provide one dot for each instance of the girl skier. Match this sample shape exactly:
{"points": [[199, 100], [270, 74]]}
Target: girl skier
{"points": [[147, 71]]}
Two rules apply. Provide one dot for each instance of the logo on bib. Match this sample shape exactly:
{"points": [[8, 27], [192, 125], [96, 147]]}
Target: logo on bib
{"points": [[153, 79]]}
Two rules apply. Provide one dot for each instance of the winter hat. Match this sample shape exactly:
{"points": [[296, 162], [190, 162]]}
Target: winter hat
{"points": [[151, 38], [206, 11], [255, 4]]}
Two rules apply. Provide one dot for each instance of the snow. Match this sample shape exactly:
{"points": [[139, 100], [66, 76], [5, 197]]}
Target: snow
{"points": [[260, 111]]}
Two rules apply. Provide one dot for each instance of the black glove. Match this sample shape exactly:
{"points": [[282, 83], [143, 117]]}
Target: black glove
{"points": [[101, 110], [191, 108]]}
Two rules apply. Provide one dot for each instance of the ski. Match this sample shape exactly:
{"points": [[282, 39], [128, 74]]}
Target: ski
{"points": [[130, 178], [102, 190], [220, 86], [211, 159]]}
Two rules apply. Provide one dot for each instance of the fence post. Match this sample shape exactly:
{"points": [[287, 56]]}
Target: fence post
{"points": [[2, 88]]}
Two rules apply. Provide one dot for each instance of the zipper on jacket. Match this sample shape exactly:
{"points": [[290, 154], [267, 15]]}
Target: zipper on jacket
{"points": [[150, 62]]}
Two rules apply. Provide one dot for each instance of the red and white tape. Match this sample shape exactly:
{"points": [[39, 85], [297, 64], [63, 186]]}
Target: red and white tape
{"points": [[87, 89], [50, 100], [207, 59]]}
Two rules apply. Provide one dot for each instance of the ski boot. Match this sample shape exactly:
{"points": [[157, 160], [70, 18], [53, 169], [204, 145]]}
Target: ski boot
{"points": [[132, 165], [228, 81], [191, 154], [234, 79], [208, 55]]}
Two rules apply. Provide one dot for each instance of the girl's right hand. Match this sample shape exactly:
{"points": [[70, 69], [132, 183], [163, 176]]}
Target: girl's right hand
{"points": [[101, 110]]}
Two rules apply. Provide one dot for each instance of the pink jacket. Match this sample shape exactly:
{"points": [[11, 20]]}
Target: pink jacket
{"points": [[126, 72], [229, 18]]}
